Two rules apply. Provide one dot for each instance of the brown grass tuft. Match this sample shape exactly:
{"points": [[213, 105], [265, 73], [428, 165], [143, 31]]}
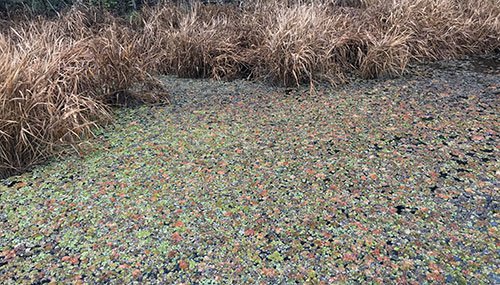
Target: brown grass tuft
{"points": [[53, 88]]}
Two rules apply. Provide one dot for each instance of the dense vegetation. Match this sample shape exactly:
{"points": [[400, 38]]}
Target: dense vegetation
{"points": [[51, 7], [59, 75]]}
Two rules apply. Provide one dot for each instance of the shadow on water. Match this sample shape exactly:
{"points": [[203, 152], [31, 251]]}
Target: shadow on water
{"points": [[490, 64]]}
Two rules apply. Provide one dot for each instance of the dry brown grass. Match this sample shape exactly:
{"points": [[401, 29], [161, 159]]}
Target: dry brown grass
{"points": [[292, 42], [301, 43], [58, 77], [198, 41], [55, 85]]}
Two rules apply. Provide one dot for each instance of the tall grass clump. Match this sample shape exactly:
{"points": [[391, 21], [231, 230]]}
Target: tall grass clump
{"points": [[292, 42], [55, 86], [197, 41], [301, 43], [441, 29]]}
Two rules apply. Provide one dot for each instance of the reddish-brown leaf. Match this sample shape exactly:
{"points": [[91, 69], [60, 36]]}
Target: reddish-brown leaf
{"points": [[176, 237], [74, 260], [136, 273], [269, 272], [172, 253], [183, 264], [249, 232], [124, 266]]}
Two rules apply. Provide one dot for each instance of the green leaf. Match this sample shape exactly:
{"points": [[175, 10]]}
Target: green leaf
{"points": [[143, 234], [276, 257]]}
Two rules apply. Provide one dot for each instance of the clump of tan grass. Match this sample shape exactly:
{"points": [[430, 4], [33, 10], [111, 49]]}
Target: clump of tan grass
{"points": [[293, 42], [196, 41], [299, 44], [55, 89], [441, 29]]}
